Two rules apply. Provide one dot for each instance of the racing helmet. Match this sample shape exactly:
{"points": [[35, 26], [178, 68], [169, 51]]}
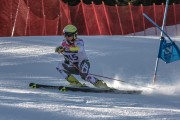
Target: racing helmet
{"points": [[70, 31]]}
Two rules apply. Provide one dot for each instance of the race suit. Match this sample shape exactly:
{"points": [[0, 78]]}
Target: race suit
{"points": [[76, 61]]}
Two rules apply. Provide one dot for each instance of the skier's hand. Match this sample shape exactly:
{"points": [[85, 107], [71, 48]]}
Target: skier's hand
{"points": [[66, 48], [59, 49]]}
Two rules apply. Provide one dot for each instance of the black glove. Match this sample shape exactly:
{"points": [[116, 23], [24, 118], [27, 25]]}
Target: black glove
{"points": [[59, 49]]}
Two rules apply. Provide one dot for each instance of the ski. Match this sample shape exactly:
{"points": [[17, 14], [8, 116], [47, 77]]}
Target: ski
{"points": [[84, 89]]}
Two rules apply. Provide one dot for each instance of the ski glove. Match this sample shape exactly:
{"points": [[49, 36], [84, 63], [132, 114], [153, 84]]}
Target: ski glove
{"points": [[59, 49]]}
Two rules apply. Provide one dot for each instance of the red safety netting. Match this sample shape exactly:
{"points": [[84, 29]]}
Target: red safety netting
{"points": [[47, 17]]}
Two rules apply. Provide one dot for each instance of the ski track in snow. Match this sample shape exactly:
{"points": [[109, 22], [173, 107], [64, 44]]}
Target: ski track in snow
{"points": [[32, 59]]}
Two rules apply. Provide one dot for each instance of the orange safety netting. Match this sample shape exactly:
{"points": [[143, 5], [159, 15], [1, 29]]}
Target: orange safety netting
{"points": [[48, 17]]}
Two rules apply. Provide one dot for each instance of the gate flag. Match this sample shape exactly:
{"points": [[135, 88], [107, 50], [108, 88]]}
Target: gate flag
{"points": [[168, 52]]}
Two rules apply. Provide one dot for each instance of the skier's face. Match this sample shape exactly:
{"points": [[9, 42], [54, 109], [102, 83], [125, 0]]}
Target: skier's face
{"points": [[69, 38]]}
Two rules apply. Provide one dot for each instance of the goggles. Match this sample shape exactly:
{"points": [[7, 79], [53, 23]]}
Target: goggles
{"points": [[68, 34]]}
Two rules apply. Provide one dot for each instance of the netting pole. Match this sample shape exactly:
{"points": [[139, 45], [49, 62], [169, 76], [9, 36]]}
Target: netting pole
{"points": [[132, 20], [27, 18], [44, 20], [29, 23], [60, 17], [144, 26], [69, 16], [14, 25], [154, 8], [45, 25], [119, 19], [96, 18], [11, 18], [57, 26], [104, 7], [84, 14], [163, 12]]}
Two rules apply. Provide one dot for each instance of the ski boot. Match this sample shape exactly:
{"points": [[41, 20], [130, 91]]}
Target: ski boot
{"points": [[73, 81], [101, 84]]}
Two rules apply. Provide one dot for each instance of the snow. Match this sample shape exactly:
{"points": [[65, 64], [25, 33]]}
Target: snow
{"points": [[131, 59]]}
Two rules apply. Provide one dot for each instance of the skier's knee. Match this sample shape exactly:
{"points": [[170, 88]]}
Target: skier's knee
{"points": [[83, 75], [91, 79], [84, 66]]}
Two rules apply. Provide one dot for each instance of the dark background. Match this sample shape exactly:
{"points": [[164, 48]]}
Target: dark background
{"points": [[122, 2]]}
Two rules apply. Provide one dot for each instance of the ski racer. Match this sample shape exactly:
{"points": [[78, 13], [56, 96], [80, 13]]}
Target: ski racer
{"points": [[75, 59]]}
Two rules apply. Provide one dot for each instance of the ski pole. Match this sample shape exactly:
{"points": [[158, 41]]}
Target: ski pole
{"points": [[106, 77], [90, 73]]}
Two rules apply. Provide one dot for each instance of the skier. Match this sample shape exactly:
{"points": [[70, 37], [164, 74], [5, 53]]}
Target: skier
{"points": [[75, 59]]}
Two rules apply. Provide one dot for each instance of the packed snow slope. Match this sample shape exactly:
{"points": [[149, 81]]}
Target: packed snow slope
{"points": [[131, 59]]}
